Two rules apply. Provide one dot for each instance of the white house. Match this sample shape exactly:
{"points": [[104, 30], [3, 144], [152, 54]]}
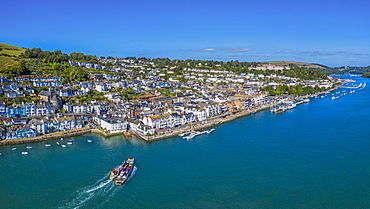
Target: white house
{"points": [[113, 125]]}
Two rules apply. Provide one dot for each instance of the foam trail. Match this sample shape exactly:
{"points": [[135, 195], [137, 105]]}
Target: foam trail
{"points": [[81, 196], [101, 187], [113, 190]]}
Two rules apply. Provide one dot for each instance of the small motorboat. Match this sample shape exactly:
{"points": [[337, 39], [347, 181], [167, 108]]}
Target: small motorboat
{"points": [[29, 147], [14, 148], [69, 143], [61, 139], [89, 141], [24, 153], [58, 143], [63, 145], [47, 145]]}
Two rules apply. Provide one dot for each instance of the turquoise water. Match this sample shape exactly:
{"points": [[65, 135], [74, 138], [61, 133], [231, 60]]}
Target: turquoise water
{"points": [[315, 156]]}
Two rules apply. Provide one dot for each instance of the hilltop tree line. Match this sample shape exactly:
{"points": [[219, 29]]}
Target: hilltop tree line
{"points": [[36, 61], [57, 56]]}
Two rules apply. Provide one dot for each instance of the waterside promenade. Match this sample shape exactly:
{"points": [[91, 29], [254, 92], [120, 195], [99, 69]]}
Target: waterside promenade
{"points": [[227, 117], [164, 134]]}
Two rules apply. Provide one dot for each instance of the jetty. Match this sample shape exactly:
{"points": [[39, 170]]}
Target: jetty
{"points": [[196, 133]]}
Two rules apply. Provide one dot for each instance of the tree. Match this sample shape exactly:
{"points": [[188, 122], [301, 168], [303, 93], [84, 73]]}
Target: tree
{"points": [[299, 89]]}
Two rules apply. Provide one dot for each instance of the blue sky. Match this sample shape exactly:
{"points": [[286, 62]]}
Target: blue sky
{"points": [[334, 33]]}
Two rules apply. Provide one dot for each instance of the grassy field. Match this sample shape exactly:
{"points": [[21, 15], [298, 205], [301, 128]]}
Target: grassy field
{"points": [[299, 64], [8, 55], [11, 50], [275, 63]]}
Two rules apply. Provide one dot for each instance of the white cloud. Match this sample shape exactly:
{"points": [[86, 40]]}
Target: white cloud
{"points": [[206, 50]]}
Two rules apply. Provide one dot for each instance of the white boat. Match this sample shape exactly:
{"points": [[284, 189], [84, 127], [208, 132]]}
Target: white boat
{"points": [[24, 153], [306, 100], [63, 145], [58, 143], [14, 148], [89, 141], [291, 106], [211, 130], [29, 147], [69, 142], [47, 145], [61, 139]]}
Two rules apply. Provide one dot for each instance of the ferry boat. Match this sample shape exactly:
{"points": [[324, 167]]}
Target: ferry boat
{"points": [[116, 171], [125, 172]]}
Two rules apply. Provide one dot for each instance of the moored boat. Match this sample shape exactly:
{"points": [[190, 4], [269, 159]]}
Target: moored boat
{"points": [[47, 145], [279, 109], [89, 141], [24, 153], [125, 172]]}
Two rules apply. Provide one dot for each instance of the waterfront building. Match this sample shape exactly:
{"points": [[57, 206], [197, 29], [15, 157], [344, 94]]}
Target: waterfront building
{"points": [[112, 125]]}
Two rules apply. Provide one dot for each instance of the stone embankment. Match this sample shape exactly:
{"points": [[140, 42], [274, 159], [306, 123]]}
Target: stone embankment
{"points": [[55, 135], [171, 133]]}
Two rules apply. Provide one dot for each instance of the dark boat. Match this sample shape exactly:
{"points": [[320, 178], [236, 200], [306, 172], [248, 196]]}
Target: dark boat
{"points": [[125, 172]]}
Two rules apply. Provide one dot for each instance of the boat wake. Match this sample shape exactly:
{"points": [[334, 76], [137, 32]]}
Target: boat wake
{"points": [[103, 189]]}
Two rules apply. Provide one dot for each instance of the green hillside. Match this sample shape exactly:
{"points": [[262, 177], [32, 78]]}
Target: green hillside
{"points": [[8, 54], [10, 50]]}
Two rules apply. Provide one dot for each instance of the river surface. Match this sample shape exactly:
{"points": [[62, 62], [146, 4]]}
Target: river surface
{"points": [[314, 156]]}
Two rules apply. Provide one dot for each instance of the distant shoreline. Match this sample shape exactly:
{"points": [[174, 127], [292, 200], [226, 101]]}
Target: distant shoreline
{"points": [[174, 132]]}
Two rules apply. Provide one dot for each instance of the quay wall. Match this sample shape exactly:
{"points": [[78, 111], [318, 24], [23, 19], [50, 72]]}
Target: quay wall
{"points": [[172, 133]]}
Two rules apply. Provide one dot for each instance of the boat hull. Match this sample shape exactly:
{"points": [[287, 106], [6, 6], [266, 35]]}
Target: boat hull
{"points": [[125, 172]]}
